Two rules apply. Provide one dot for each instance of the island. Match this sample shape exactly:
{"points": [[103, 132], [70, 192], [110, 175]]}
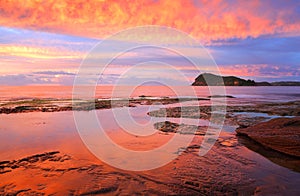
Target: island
{"points": [[208, 79]]}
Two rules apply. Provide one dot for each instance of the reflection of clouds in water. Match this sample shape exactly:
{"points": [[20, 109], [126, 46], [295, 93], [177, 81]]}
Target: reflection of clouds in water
{"points": [[158, 71]]}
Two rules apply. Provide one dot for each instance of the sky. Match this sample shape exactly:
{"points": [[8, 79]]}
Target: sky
{"points": [[44, 42]]}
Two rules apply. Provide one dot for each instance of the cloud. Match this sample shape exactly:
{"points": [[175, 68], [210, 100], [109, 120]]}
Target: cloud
{"points": [[44, 41], [159, 74], [22, 79], [265, 50], [261, 71], [54, 73], [38, 78], [22, 51], [42, 45], [36, 52], [207, 20]]}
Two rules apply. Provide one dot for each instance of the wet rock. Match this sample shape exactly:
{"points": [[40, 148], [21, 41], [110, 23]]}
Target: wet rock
{"points": [[282, 109], [221, 96], [170, 127], [192, 183], [229, 142], [104, 190], [56, 105], [5, 171], [194, 112], [194, 146], [8, 166], [280, 134], [245, 122]]}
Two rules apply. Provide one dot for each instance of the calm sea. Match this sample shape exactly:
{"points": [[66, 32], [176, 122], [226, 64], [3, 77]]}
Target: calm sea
{"points": [[276, 93]]}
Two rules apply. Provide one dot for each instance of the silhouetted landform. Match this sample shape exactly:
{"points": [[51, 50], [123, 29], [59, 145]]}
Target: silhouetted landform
{"points": [[285, 83], [208, 79], [263, 84], [221, 96]]}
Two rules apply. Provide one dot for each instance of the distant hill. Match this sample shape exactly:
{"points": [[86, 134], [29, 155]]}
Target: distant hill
{"points": [[263, 84], [216, 80], [286, 83]]}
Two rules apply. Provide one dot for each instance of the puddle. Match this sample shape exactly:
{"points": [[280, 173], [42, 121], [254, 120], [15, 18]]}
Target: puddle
{"points": [[260, 114]]}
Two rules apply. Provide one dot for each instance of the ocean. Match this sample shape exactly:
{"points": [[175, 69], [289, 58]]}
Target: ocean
{"points": [[264, 93]]}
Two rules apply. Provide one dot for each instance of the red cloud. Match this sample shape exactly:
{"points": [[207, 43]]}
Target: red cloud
{"points": [[207, 20]]}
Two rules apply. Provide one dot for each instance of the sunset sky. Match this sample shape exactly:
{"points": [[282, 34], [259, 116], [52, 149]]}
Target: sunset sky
{"points": [[44, 42]]}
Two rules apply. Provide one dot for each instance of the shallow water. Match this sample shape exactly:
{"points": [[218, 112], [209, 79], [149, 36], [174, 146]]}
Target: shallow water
{"points": [[259, 114], [25, 134]]}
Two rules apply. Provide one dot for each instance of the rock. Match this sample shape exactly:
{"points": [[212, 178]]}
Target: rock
{"points": [[228, 142], [170, 127], [194, 146], [103, 190], [194, 112], [208, 79], [221, 96], [192, 183], [291, 108], [8, 166], [280, 134]]}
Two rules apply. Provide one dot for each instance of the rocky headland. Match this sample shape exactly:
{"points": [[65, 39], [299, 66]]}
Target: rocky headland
{"points": [[208, 79]]}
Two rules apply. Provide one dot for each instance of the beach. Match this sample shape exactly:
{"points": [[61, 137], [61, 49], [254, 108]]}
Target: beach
{"points": [[43, 153]]}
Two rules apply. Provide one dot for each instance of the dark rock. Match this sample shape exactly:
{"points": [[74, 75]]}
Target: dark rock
{"points": [[221, 96], [195, 184], [208, 79], [170, 127], [286, 83], [101, 191], [280, 134], [263, 84]]}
